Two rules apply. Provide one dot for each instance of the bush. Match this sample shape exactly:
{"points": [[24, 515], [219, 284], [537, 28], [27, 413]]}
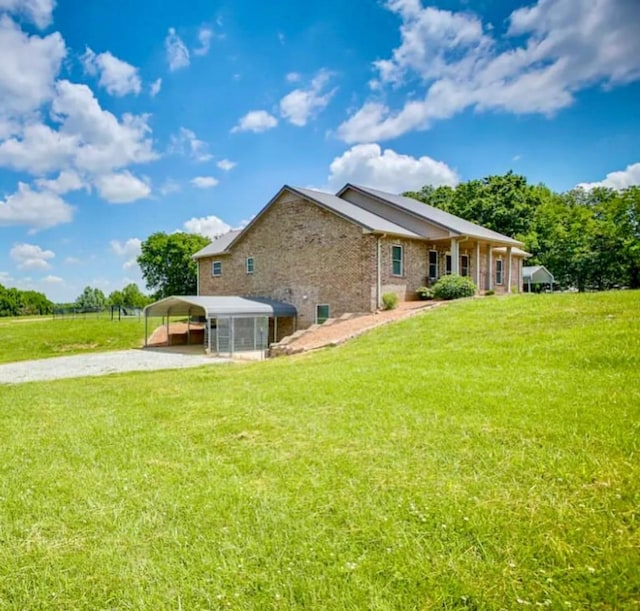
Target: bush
{"points": [[489, 292], [389, 301], [424, 293], [453, 287]]}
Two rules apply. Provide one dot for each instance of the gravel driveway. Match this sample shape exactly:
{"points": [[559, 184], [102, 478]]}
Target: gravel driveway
{"points": [[101, 363]]}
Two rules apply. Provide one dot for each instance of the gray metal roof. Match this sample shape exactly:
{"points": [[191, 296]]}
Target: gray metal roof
{"points": [[228, 305], [346, 209], [435, 215], [219, 245], [530, 272]]}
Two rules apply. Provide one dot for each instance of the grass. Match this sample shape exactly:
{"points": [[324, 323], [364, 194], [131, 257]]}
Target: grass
{"points": [[45, 336], [481, 456]]}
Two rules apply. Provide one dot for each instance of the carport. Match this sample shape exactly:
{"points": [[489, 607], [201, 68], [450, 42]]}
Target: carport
{"points": [[536, 275], [231, 324]]}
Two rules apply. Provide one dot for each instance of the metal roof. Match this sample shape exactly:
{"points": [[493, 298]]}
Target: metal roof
{"points": [[219, 245], [186, 305], [346, 209], [434, 215], [530, 272]]}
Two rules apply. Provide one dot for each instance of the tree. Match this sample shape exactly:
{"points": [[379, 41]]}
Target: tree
{"points": [[91, 299], [167, 264], [115, 299], [132, 297]]}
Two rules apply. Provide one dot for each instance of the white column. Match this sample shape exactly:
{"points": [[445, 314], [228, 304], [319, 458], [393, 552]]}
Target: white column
{"points": [[477, 263], [455, 256], [508, 269]]}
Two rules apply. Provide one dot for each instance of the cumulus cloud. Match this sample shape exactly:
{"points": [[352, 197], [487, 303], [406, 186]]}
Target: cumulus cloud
{"points": [[619, 180], [368, 165], [129, 250], [205, 35], [122, 187], [226, 165], [36, 209], [185, 142], [154, 88], [37, 11], [177, 52], [50, 279], [118, 77], [300, 105], [210, 226], [255, 121], [65, 182], [31, 256], [169, 186], [204, 182], [553, 49]]}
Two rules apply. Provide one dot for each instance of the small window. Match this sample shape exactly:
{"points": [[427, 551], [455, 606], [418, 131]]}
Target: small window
{"points": [[448, 265], [499, 271], [397, 260], [433, 265], [464, 265], [216, 268], [322, 313], [249, 265]]}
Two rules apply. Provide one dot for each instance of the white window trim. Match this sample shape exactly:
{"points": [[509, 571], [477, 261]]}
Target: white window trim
{"points": [[501, 261], [401, 247], [213, 264], [437, 262], [246, 265]]}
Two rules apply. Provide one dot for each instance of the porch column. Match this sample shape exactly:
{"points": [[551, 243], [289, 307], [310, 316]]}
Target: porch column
{"points": [[508, 269], [477, 274], [455, 256], [489, 286]]}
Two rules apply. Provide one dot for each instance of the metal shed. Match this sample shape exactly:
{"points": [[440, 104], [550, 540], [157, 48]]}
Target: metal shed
{"points": [[232, 324], [534, 275]]}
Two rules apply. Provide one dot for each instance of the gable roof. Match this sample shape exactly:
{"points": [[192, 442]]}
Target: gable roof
{"points": [[433, 215], [219, 245]]}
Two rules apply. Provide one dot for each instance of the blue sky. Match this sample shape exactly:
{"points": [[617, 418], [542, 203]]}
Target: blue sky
{"points": [[119, 119]]}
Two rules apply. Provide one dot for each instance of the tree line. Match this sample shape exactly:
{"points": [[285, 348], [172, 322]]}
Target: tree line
{"points": [[14, 302], [589, 239], [93, 299]]}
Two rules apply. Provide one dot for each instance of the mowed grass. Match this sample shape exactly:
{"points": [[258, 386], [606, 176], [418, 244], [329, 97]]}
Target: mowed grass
{"points": [[35, 338], [485, 455]]}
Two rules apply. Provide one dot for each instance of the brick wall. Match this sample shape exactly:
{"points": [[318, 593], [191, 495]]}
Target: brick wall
{"points": [[303, 255]]}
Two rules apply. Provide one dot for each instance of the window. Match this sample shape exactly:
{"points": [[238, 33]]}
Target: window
{"points": [[216, 268], [397, 260], [433, 265], [322, 313], [448, 265], [464, 265], [249, 265], [499, 271]]}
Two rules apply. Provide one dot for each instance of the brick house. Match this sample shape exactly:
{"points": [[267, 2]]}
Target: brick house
{"points": [[330, 254]]}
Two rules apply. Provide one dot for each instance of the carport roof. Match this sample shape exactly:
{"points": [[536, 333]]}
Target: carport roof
{"points": [[186, 305]]}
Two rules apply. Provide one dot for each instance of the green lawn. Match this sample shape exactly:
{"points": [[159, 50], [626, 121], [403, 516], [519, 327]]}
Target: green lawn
{"points": [[43, 337], [485, 455]]}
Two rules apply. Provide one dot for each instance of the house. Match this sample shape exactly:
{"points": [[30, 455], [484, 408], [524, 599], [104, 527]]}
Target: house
{"points": [[330, 254]]}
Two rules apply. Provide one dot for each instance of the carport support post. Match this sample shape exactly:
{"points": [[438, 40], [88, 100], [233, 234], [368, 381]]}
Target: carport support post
{"points": [[189, 327], [146, 319], [209, 333], [275, 329], [168, 316]]}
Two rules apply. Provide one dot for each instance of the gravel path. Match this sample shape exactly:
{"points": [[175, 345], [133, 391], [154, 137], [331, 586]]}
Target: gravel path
{"points": [[101, 363]]}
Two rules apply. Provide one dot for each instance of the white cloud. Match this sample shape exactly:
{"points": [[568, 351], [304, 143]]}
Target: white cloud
{"points": [[293, 77], [169, 186], [177, 52], [129, 250], [619, 180], [6, 278], [154, 88], [36, 209], [368, 165], [226, 165], [37, 11], [53, 279], [72, 260], [122, 188], [300, 105], [185, 142], [255, 121], [31, 256], [28, 69], [204, 182], [118, 77], [210, 226], [205, 35], [65, 182], [552, 49]]}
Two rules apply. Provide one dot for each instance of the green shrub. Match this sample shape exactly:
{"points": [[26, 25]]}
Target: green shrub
{"points": [[489, 292], [424, 293], [389, 301], [453, 287]]}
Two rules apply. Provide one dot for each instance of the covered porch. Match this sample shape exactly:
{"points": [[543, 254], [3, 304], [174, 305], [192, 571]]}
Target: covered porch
{"points": [[224, 325]]}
